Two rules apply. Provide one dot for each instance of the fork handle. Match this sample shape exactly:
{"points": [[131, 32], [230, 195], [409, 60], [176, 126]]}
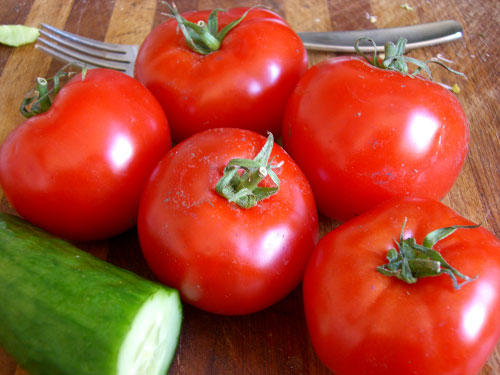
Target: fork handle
{"points": [[422, 35]]}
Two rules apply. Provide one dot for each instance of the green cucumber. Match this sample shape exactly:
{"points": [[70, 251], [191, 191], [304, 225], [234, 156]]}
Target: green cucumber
{"points": [[18, 35], [66, 312]]}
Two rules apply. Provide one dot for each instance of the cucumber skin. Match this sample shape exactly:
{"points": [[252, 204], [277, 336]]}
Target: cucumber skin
{"points": [[62, 310]]}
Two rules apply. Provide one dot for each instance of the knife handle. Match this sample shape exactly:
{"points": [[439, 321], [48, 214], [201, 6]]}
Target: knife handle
{"points": [[422, 35]]}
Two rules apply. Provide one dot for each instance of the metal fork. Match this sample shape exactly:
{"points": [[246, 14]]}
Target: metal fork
{"points": [[68, 47]]}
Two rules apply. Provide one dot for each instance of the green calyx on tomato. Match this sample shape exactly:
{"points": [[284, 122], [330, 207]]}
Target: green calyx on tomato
{"points": [[412, 261], [396, 60], [243, 189], [40, 99], [202, 37]]}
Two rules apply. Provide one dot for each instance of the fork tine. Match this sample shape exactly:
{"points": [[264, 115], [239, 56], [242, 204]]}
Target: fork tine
{"points": [[117, 48], [59, 56], [104, 54], [69, 55]]}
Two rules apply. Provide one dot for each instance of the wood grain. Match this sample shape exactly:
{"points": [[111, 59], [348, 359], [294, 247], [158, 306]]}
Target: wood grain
{"points": [[275, 341]]}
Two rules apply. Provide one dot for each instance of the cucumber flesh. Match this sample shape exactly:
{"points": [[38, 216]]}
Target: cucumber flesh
{"points": [[150, 344]]}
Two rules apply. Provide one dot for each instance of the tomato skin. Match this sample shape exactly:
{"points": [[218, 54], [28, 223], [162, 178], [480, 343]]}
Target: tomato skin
{"points": [[222, 258], [362, 322], [372, 134], [244, 84], [79, 169]]}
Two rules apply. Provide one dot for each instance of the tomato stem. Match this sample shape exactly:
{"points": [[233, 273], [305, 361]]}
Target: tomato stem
{"points": [[411, 261], [243, 189], [201, 37], [253, 179], [40, 99], [42, 92], [396, 60]]}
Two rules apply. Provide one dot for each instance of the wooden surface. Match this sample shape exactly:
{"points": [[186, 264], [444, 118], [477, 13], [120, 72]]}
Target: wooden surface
{"points": [[275, 341]]}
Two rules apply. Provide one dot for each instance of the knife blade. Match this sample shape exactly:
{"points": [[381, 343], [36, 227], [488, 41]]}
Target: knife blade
{"points": [[421, 35]]}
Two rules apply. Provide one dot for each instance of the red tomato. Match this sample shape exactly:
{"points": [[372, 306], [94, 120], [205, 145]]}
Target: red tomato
{"points": [[223, 258], [244, 84], [362, 322], [363, 134], [78, 170]]}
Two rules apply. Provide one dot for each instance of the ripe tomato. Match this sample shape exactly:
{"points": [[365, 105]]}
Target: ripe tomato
{"points": [[78, 170], [221, 257], [373, 134], [244, 84], [363, 322]]}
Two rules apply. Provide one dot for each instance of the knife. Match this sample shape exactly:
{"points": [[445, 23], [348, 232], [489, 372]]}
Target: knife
{"points": [[422, 35]]}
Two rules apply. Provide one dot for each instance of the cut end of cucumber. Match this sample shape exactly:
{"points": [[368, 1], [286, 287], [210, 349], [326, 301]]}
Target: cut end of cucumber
{"points": [[150, 345]]}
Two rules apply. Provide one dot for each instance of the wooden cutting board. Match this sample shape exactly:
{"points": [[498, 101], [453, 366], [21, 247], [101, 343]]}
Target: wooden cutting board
{"points": [[275, 341]]}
